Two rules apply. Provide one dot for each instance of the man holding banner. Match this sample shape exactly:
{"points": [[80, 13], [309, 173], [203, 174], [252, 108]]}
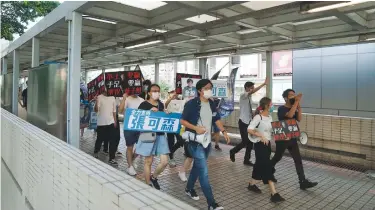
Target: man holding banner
{"points": [[291, 110]]}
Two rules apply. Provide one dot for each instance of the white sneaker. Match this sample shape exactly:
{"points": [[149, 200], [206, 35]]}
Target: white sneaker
{"points": [[182, 176], [135, 165], [131, 171], [172, 163]]}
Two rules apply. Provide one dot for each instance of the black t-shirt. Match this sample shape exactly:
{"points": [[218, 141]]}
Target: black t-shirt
{"points": [[147, 106], [282, 111], [24, 97]]}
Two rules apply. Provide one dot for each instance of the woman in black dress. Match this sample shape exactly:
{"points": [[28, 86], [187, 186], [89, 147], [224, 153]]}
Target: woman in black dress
{"points": [[260, 133]]}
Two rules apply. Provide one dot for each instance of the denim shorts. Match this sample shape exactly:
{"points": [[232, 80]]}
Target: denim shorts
{"points": [[158, 147], [131, 137]]}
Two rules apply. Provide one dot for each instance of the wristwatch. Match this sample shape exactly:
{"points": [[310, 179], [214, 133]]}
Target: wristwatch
{"points": [[223, 131]]}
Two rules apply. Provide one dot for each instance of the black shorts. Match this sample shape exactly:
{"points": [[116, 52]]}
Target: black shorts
{"points": [[131, 137], [186, 150]]}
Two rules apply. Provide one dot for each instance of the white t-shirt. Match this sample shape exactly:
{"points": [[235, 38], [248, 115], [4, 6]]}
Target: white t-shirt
{"points": [[245, 108], [106, 106], [264, 127], [206, 118], [133, 103]]}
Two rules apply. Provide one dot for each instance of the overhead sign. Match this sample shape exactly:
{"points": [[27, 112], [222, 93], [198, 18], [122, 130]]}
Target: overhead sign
{"points": [[285, 130], [282, 63], [149, 121], [179, 76]]}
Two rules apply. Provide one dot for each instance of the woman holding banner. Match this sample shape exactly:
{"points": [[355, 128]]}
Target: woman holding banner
{"points": [[153, 144], [260, 133]]}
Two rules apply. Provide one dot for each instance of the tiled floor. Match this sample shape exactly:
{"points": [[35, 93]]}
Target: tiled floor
{"points": [[338, 188]]}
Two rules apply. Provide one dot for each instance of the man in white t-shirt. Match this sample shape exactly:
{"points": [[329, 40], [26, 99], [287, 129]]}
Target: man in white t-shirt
{"points": [[131, 137], [105, 106]]}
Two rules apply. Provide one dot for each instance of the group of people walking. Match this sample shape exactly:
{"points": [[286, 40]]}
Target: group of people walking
{"points": [[201, 118]]}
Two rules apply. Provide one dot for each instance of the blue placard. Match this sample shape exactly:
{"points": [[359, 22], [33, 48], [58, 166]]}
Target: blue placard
{"points": [[146, 120]]}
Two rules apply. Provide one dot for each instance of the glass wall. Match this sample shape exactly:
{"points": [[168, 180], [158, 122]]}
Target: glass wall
{"points": [[188, 67], [166, 76]]}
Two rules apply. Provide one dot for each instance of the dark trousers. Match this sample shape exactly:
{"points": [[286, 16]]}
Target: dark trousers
{"points": [[107, 134], [245, 142], [172, 145], [293, 149]]}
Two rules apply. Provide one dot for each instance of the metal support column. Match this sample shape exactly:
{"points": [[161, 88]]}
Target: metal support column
{"points": [[35, 55], [16, 76], [126, 68], [4, 66], [269, 73], [156, 73], [74, 75], [203, 68]]}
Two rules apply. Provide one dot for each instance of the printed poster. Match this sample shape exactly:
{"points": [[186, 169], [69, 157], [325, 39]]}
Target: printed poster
{"points": [[149, 121], [95, 87], [285, 130], [282, 63], [179, 76]]}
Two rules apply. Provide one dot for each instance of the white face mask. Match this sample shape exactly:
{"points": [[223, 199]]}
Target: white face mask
{"points": [[155, 95], [207, 94]]}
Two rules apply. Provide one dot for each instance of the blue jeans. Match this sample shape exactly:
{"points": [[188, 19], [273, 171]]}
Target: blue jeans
{"points": [[200, 169]]}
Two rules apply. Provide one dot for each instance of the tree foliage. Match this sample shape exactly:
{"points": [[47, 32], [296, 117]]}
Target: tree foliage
{"points": [[15, 15]]}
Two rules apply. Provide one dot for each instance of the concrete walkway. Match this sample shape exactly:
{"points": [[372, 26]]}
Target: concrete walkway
{"points": [[338, 188]]}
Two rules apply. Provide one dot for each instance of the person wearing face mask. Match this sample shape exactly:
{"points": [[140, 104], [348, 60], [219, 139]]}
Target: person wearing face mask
{"points": [[246, 114], [260, 133], [157, 148], [145, 85], [291, 110], [198, 115]]}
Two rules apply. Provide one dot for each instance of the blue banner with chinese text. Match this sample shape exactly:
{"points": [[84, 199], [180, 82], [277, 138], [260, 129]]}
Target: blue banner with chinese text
{"points": [[149, 121]]}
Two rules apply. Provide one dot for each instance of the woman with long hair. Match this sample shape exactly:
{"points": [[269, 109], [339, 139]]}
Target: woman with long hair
{"points": [[260, 133], [158, 146]]}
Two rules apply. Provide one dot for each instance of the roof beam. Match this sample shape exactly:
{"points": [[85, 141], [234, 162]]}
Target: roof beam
{"points": [[354, 20]]}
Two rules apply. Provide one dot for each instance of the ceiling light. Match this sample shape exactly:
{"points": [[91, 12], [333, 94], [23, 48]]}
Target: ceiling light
{"points": [[99, 20], [319, 7], [370, 39], [143, 42], [215, 53], [156, 30], [247, 31]]}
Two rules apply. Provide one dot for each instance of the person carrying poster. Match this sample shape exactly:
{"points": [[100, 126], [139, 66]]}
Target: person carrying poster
{"points": [[246, 114], [105, 106], [131, 137], [291, 110]]}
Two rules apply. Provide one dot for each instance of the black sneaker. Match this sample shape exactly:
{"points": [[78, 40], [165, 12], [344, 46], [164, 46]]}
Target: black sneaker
{"points": [[105, 152], [276, 198], [218, 148], [232, 156], [154, 182], [113, 162], [305, 184], [254, 188], [118, 153], [215, 206], [96, 155], [248, 163], [192, 194]]}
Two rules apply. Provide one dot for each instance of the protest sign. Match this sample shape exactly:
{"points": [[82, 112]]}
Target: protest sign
{"points": [[188, 88], [227, 104], [149, 121], [123, 81], [95, 87], [219, 89], [93, 116], [285, 130], [179, 77]]}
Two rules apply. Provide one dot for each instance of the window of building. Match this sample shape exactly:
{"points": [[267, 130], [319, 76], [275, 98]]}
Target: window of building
{"points": [[166, 76], [148, 71]]}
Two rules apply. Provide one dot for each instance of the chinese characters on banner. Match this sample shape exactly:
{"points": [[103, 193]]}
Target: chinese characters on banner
{"points": [[285, 130], [95, 87], [123, 81], [149, 121], [179, 76], [219, 89], [282, 63]]}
